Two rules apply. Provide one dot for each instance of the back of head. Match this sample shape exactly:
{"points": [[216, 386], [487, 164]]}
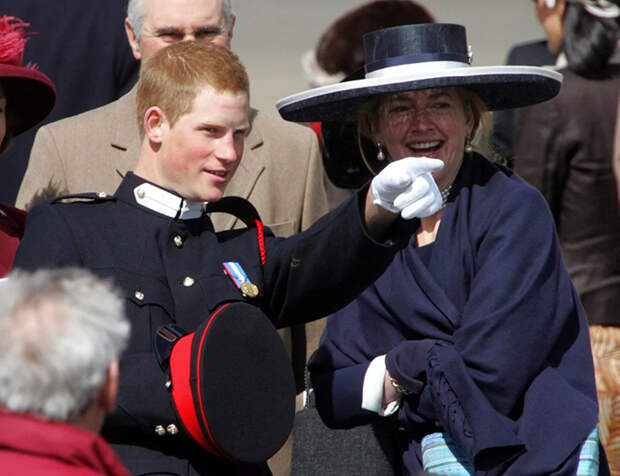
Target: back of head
{"points": [[590, 35], [172, 77], [340, 50], [61, 330]]}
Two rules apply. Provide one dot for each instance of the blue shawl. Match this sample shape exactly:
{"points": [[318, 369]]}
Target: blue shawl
{"points": [[490, 339]]}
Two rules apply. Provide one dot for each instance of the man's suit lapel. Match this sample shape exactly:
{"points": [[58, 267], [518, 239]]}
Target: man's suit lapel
{"points": [[252, 165], [124, 134]]}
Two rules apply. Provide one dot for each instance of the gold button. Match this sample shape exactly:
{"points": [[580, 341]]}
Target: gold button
{"points": [[102, 194], [178, 241], [141, 193], [188, 282], [172, 429], [160, 430], [139, 295]]}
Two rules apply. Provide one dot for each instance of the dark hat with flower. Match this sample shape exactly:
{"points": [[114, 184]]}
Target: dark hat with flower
{"points": [[30, 94], [422, 56]]}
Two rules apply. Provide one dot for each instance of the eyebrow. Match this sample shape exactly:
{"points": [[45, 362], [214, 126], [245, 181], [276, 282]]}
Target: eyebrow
{"points": [[403, 96], [174, 31]]}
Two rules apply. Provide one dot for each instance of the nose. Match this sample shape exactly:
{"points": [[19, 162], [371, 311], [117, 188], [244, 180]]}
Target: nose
{"points": [[422, 120], [229, 149]]}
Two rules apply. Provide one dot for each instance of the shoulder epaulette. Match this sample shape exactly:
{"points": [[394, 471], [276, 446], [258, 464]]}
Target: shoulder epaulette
{"points": [[84, 198]]}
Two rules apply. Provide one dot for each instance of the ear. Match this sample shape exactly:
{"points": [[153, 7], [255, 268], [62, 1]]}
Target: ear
{"points": [[155, 125], [133, 40], [107, 395], [233, 19]]}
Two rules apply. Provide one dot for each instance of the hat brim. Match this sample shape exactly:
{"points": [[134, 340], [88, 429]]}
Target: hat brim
{"points": [[501, 87], [30, 94]]}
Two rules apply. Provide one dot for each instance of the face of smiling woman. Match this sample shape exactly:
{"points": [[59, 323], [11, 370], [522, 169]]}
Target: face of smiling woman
{"points": [[430, 123]]}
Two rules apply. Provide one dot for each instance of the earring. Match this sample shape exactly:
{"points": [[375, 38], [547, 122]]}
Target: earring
{"points": [[468, 147], [380, 154]]}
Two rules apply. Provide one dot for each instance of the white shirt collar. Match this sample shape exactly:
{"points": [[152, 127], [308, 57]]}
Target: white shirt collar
{"points": [[161, 201]]}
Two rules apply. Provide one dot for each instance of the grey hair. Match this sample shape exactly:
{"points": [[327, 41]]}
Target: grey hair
{"points": [[60, 331], [135, 14]]}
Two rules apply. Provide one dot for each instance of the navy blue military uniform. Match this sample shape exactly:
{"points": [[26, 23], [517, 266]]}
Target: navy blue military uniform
{"points": [[168, 264]]}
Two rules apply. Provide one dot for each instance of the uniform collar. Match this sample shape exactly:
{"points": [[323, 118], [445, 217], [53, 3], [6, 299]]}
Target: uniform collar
{"points": [[164, 202]]}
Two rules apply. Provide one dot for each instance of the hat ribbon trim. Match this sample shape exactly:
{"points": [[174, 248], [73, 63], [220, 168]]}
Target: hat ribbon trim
{"points": [[182, 394], [416, 69], [418, 58]]}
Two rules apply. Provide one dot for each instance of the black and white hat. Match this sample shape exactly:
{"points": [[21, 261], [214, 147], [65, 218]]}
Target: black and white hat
{"points": [[422, 56]]}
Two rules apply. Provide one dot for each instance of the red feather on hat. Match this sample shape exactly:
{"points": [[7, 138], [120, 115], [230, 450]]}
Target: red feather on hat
{"points": [[13, 37]]}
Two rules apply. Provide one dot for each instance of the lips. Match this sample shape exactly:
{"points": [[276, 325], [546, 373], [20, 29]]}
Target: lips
{"points": [[218, 173], [425, 148]]}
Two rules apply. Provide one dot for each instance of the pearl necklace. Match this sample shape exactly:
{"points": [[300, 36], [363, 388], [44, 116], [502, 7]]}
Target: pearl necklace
{"points": [[445, 193]]}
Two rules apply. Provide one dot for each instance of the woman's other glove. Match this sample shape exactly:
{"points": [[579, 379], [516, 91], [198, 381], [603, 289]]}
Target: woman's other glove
{"points": [[406, 186]]}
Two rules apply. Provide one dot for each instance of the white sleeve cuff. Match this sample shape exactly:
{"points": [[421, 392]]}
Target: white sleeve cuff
{"points": [[372, 392]]}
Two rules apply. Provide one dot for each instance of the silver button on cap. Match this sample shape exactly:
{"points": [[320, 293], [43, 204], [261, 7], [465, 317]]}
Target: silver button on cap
{"points": [[188, 282]]}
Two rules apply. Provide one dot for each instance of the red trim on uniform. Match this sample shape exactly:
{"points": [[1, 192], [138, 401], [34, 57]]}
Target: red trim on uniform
{"points": [[316, 127], [182, 392], [260, 234], [198, 383]]}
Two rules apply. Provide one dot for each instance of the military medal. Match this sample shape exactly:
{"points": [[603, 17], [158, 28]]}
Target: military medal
{"points": [[240, 278]]}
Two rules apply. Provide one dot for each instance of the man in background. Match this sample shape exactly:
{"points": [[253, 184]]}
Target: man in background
{"points": [[63, 331]]}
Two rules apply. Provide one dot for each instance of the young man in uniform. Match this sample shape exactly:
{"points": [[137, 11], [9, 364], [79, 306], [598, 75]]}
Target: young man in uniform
{"points": [[155, 238]]}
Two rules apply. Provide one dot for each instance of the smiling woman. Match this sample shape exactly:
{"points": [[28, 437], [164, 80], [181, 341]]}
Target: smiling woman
{"points": [[437, 340]]}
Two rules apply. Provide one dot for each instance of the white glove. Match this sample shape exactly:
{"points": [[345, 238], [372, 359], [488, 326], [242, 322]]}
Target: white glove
{"points": [[406, 186]]}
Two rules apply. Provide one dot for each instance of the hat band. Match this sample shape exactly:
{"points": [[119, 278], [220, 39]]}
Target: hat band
{"points": [[419, 58], [416, 69]]}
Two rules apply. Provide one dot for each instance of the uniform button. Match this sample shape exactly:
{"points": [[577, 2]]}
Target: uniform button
{"points": [[139, 295], [188, 282], [160, 430], [172, 429], [140, 193], [178, 241], [102, 194]]}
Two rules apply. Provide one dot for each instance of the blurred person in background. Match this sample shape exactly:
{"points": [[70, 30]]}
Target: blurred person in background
{"points": [[64, 331], [26, 97], [565, 149]]}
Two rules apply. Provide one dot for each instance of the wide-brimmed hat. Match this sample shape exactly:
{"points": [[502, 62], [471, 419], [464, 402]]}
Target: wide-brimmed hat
{"points": [[30, 94], [422, 56]]}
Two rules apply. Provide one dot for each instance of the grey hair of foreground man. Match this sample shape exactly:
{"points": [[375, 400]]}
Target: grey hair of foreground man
{"points": [[135, 14], [61, 329]]}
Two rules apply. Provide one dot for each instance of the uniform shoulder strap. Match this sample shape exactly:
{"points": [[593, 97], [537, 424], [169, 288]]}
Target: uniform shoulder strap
{"points": [[247, 213]]}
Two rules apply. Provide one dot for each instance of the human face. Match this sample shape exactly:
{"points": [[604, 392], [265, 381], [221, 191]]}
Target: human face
{"points": [[200, 153], [170, 21], [430, 123]]}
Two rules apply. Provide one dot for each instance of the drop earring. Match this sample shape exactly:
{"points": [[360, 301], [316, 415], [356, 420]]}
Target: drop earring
{"points": [[468, 147], [380, 154]]}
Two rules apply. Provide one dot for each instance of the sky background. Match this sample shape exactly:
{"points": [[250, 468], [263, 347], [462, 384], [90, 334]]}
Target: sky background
{"points": [[270, 36]]}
